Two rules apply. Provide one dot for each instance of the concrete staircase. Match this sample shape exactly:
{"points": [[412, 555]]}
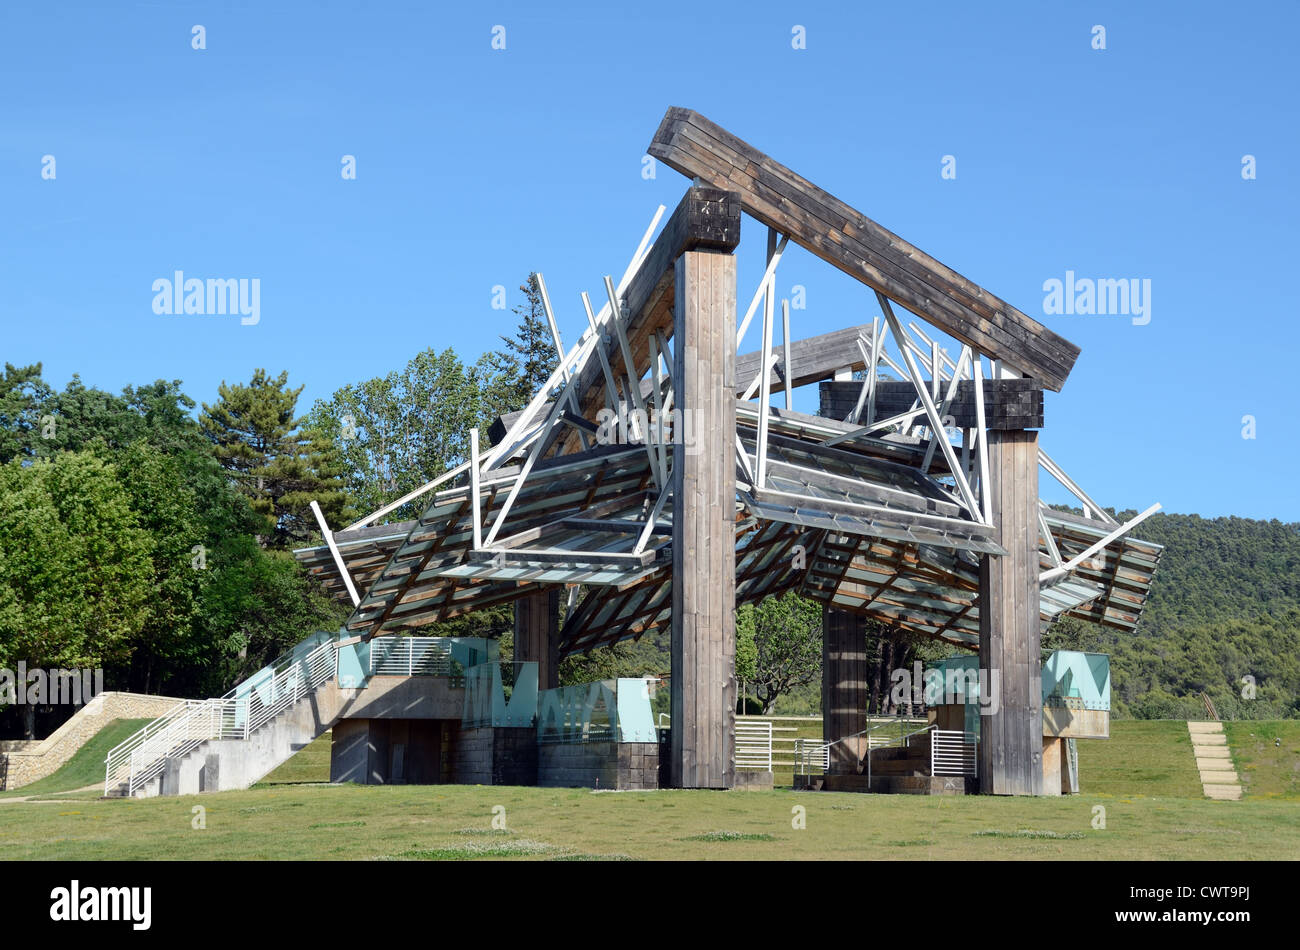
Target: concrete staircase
{"points": [[1218, 776], [219, 765]]}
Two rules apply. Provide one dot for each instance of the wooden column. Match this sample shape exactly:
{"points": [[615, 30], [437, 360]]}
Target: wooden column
{"points": [[704, 499], [537, 632], [844, 685], [1011, 740]]}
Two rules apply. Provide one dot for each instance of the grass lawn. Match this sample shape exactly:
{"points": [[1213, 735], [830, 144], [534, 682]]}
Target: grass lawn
{"points": [[1267, 770], [309, 764], [1141, 757], [86, 767], [1144, 778], [455, 822]]}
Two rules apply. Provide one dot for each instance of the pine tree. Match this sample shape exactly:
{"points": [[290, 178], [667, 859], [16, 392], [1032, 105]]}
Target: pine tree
{"points": [[280, 466], [529, 357]]}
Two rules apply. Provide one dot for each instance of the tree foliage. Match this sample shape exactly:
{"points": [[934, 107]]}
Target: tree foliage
{"points": [[280, 465]]}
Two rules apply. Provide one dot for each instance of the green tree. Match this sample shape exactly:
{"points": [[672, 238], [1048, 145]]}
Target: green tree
{"points": [[787, 637], [22, 394], [279, 465], [76, 566], [529, 357]]}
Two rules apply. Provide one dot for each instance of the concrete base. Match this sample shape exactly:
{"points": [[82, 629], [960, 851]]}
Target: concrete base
{"points": [[225, 764], [494, 756], [751, 781], [390, 751], [616, 765]]}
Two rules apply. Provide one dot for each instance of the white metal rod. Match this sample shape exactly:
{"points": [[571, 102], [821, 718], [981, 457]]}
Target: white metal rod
{"points": [[758, 294], [947, 403], [785, 344], [409, 496], [931, 412], [334, 550], [610, 388], [765, 393], [982, 434], [475, 492], [1059, 474], [633, 377], [1056, 573]]}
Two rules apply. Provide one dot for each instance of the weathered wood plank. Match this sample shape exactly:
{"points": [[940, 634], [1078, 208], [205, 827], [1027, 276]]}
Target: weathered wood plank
{"points": [[704, 569], [1008, 403], [1009, 632], [847, 239]]}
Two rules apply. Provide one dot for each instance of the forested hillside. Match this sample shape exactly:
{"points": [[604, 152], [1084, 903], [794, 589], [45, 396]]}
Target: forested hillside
{"points": [[1225, 605]]}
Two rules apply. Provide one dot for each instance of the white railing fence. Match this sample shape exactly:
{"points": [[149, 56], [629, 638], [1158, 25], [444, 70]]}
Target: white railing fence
{"points": [[754, 744], [811, 756], [235, 715], [411, 656], [952, 752]]}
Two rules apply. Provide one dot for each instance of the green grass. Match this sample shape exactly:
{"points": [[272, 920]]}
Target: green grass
{"points": [[1266, 770], [428, 823], [86, 767], [309, 764], [1150, 758]]}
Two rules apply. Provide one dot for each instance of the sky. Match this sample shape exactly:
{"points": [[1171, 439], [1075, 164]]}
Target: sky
{"points": [[996, 137]]}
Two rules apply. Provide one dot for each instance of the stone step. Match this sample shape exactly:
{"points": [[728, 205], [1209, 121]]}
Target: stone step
{"points": [[1218, 777], [1208, 739], [1211, 752], [1227, 793], [1204, 727]]}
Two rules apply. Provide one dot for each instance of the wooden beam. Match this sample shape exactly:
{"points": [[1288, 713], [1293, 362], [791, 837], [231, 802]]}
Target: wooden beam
{"points": [[810, 360], [703, 640], [1011, 729], [849, 240], [1008, 403]]}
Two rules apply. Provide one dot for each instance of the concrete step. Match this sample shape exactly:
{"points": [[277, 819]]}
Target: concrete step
{"points": [[1208, 740], [1212, 751], [1227, 793], [1218, 777], [1204, 727]]}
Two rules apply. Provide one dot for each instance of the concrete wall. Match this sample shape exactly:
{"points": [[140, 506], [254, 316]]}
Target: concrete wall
{"points": [[30, 761], [390, 751], [620, 765], [494, 756]]}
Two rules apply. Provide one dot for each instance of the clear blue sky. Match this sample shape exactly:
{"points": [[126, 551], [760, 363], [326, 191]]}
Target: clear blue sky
{"points": [[475, 166]]}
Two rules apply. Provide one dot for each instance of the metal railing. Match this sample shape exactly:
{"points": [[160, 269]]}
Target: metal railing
{"points": [[236, 715], [413, 656], [953, 752], [810, 754], [816, 753], [754, 745]]}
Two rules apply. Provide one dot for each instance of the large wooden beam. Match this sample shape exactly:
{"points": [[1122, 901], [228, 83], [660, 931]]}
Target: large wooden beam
{"points": [[1011, 738], [844, 686], [537, 634], [852, 242], [1008, 403], [812, 359], [703, 642]]}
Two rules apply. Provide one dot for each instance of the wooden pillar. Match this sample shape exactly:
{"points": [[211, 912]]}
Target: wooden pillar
{"points": [[704, 500], [844, 685], [1011, 739], [537, 633]]}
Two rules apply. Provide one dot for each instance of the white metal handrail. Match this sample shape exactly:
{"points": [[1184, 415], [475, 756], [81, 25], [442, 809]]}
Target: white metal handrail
{"points": [[236, 715], [754, 745], [810, 752], [411, 656], [952, 752]]}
